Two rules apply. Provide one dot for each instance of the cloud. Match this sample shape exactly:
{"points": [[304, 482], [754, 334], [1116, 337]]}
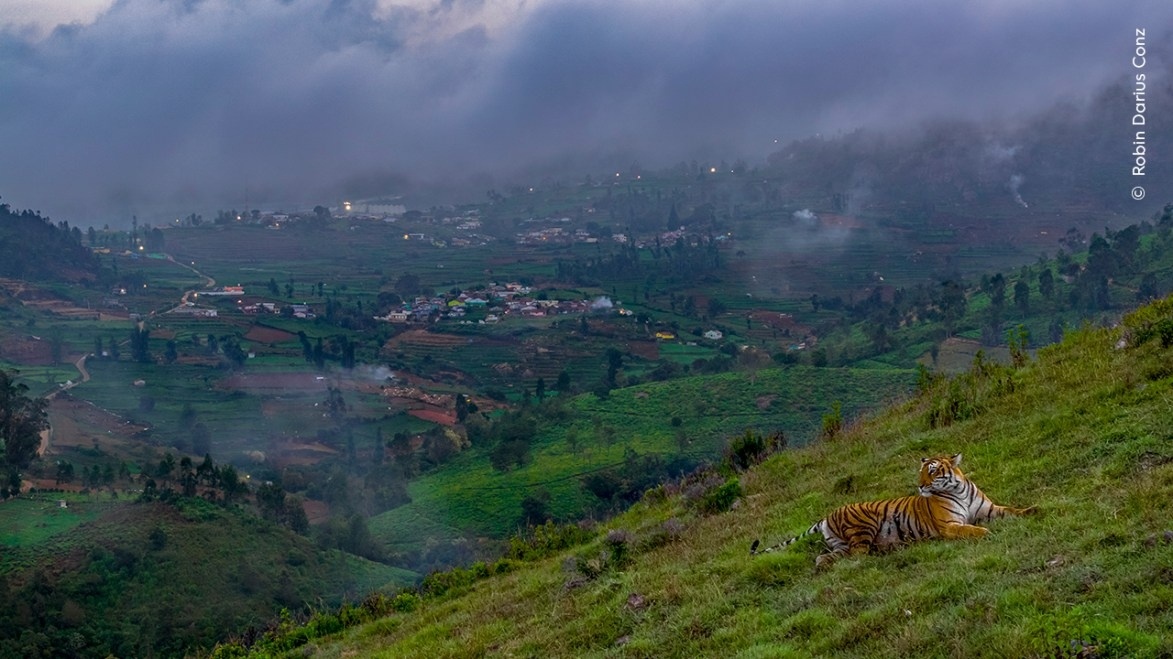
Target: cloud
{"points": [[178, 105]]}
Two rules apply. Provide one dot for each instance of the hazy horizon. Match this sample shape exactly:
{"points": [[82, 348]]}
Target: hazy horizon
{"points": [[172, 106]]}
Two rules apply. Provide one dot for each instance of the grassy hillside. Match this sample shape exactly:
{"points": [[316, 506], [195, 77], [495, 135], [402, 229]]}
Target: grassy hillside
{"points": [[104, 576], [1082, 433], [688, 416]]}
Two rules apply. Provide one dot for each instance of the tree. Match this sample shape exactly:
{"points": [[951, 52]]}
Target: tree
{"points": [[235, 355], [140, 344], [563, 384], [21, 421], [716, 308], [614, 363], [1046, 284], [271, 501], [407, 286], [535, 508], [464, 407], [206, 472], [166, 467], [230, 483], [1149, 288], [155, 240], [1022, 296], [540, 389], [335, 404], [295, 516], [201, 439], [380, 447], [673, 219], [187, 476]]}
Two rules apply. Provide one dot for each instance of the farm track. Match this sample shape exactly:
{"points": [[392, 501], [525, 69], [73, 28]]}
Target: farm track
{"points": [[209, 282], [80, 365]]}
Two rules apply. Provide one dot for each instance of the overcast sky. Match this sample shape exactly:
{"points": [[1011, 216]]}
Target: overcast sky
{"points": [[145, 106]]}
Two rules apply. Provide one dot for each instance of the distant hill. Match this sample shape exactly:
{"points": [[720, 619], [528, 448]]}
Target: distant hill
{"points": [[97, 578], [1082, 433], [1074, 157], [32, 247]]}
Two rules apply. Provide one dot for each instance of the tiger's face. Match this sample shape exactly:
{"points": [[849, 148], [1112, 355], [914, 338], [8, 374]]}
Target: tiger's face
{"points": [[938, 474]]}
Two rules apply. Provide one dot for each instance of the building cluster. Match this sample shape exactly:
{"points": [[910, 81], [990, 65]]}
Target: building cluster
{"points": [[498, 300]]}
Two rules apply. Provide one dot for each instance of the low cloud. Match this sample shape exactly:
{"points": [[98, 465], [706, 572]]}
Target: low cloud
{"points": [[172, 106]]}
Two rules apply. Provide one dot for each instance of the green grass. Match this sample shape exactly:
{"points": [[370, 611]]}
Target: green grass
{"points": [[29, 520], [1082, 433], [468, 495], [152, 579]]}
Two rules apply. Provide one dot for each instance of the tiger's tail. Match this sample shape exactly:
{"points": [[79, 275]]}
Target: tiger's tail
{"points": [[753, 549]]}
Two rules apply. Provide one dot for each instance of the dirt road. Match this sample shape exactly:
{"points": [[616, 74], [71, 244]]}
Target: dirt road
{"points": [[80, 365]]}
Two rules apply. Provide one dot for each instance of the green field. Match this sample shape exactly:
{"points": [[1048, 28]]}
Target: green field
{"points": [[1081, 433], [467, 495], [30, 520]]}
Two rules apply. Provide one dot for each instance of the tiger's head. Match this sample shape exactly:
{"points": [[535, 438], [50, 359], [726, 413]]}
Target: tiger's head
{"points": [[939, 474]]}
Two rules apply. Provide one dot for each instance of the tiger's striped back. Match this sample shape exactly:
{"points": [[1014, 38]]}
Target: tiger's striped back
{"points": [[947, 506]]}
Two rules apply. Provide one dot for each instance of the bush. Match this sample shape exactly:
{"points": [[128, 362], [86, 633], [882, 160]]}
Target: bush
{"points": [[1153, 321], [751, 448], [969, 394], [833, 422], [405, 602], [721, 498], [619, 542]]}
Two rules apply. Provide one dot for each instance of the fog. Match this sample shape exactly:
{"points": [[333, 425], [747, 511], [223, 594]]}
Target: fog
{"points": [[164, 107]]}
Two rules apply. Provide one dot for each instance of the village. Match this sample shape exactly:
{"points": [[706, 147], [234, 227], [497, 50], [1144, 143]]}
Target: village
{"points": [[498, 301]]}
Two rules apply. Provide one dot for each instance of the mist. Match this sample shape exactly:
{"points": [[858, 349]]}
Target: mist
{"points": [[163, 107]]}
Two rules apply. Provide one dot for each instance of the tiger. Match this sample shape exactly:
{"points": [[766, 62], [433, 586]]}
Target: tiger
{"points": [[947, 506]]}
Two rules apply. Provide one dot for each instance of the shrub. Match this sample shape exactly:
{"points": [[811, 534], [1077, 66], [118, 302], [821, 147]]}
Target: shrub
{"points": [[668, 532], [547, 539], [405, 602], [618, 542], [1153, 321], [833, 422], [721, 498], [751, 448]]}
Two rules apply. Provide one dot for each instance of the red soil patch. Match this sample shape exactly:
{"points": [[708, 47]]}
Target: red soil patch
{"points": [[26, 350], [276, 381], [285, 452], [265, 334], [78, 424], [778, 321], [435, 416], [649, 350], [316, 511], [419, 337]]}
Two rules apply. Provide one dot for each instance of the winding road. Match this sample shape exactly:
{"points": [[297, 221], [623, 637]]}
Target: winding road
{"points": [[208, 282], [80, 365]]}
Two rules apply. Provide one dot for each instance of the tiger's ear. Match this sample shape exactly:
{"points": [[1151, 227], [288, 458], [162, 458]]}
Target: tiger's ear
{"points": [[956, 460], [924, 460]]}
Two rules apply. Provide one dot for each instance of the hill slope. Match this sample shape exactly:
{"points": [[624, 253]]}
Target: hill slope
{"points": [[707, 410], [1082, 433], [109, 577]]}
